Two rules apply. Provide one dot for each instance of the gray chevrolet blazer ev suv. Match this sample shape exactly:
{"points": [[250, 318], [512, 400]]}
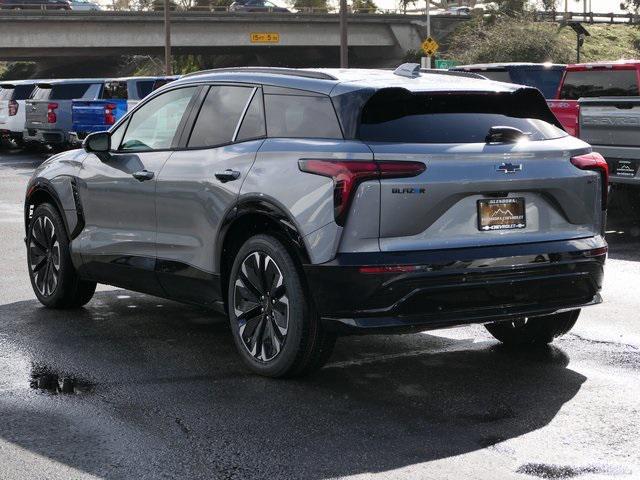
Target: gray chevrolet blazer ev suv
{"points": [[306, 204]]}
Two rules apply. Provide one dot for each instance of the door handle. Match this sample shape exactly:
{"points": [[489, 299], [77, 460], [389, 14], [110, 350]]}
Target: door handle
{"points": [[142, 175], [228, 175]]}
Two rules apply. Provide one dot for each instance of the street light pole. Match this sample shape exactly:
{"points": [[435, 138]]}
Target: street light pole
{"points": [[344, 45], [428, 30], [167, 40]]}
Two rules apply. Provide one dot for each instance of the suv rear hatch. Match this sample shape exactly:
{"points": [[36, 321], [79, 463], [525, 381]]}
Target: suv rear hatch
{"points": [[492, 177], [50, 105], [97, 115]]}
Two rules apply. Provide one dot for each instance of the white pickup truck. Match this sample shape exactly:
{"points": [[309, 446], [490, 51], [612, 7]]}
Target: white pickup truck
{"points": [[612, 126]]}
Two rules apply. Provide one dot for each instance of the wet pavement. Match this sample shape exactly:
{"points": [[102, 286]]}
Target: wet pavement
{"points": [[133, 386]]}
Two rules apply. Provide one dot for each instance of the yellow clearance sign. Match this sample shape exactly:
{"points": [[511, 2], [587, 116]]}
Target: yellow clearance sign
{"points": [[430, 47], [265, 37]]}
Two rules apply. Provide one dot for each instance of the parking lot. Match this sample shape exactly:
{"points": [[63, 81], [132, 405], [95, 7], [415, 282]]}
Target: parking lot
{"points": [[155, 389]]}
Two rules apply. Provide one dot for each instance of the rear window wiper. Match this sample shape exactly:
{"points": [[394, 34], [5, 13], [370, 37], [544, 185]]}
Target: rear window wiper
{"points": [[504, 134]]}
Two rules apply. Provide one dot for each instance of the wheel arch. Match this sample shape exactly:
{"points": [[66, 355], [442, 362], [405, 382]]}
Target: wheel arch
{"points": [[43, 191], [253, 216]]}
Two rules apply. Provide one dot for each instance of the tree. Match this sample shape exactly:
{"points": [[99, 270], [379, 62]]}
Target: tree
{"points": [[367, 6], [631, 5], [321, 5], [508, 39]]}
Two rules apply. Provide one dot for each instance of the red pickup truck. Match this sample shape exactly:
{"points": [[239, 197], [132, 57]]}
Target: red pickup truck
{"points": [[614, 79]]}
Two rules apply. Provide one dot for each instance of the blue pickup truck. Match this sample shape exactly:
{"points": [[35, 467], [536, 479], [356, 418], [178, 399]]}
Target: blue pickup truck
{"points": [[118, 96]]}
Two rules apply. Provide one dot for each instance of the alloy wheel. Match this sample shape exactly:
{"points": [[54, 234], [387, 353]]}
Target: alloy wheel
{"points": [[261, 306], [44, 256]]}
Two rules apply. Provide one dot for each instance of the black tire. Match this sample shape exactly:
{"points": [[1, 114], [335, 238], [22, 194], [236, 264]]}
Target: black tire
{"points": [[53, 277], [285, 338], [534, 330]]}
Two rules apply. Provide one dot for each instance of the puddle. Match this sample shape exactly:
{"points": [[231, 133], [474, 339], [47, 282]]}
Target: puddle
{"points": [[47, 380], [560, 472]]}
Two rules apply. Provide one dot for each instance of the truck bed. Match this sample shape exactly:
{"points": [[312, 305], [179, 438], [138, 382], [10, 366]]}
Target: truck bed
{"points": [[612, 126]]}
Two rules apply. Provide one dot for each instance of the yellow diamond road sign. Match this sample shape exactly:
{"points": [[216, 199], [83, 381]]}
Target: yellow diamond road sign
{"points": [[430, 47]]}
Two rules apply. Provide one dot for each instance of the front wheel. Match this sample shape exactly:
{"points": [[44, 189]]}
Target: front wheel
{"points": [[533, 330], [274, 324], [53, 277]]}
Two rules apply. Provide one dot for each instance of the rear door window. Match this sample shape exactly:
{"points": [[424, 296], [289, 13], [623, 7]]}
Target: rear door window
{"points": [[600, 83], [219, 116], [301, 116], [400, 117], [253, 125]]}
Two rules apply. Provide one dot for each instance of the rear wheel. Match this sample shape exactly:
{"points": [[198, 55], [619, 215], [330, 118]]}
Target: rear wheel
{"points": [[274, 324], [53, 277], [533, 330]]}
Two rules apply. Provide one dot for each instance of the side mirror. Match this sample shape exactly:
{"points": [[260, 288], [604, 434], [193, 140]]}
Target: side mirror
{"points": [[98, 142]]}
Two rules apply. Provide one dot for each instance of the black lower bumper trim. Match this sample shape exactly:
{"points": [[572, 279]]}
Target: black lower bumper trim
{"points": [[421, 290]]}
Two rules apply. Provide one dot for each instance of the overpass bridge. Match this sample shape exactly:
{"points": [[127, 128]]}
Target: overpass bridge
{"points": [[304, 39]]}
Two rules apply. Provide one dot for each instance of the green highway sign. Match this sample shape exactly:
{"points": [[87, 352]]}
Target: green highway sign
{"points": [[445, 64]]}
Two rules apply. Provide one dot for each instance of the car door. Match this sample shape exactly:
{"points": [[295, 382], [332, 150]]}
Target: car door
{"points": [[117, 193], [199, 185]]}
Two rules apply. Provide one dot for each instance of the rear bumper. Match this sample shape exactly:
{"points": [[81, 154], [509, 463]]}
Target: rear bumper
{"points": [[412, 291], [50, 137]]}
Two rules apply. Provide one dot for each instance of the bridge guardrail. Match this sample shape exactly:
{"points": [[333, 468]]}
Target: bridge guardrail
{"points": [[211, 8]]}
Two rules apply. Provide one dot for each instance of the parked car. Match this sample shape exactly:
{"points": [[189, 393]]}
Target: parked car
{"points": [[12, 108], [35, 5], [589, 80], [84, 6], [309, 203], [255, 6], [543, 76], [612, 125], [48, 112], [118, 96], [458, 11]]}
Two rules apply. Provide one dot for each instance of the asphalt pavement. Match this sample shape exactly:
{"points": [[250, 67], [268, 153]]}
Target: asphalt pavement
{"points": [[137, 387]]}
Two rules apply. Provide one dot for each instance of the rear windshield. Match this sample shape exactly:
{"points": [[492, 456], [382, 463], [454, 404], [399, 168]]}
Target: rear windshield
{"points": [[600, 83], [16, 92], [401, 117], [115, 90], [64, 91], [497, 75], [144, 88], [545, 80]]}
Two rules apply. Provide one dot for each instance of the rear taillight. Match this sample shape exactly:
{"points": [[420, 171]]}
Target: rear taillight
{"points": [[13, 108], [109, 115], [347, 175], [51, 113], [595, 161]]}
